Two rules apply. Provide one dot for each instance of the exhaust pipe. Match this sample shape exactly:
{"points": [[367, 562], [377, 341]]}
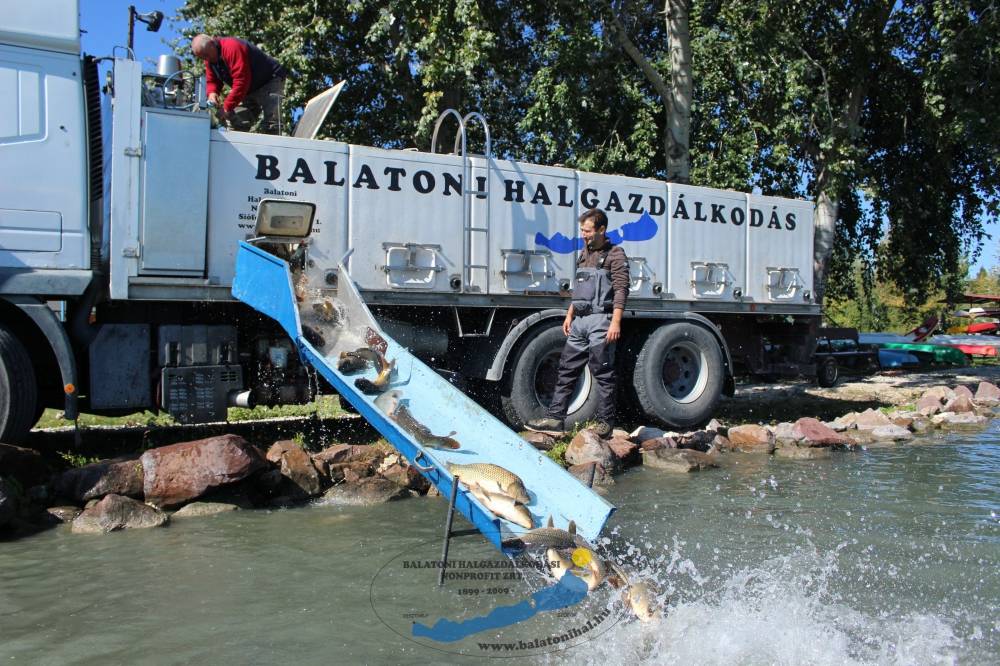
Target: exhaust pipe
{"points": [[242, 399]]}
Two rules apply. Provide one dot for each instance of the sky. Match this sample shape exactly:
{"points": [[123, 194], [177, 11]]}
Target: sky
{"points": [[106, 26]]}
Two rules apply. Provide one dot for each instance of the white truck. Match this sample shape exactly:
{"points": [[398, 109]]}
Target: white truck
{"points": [[119, 227]]}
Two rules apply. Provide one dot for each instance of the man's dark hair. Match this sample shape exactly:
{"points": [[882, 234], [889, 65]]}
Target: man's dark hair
{"points": [[596, 215]]}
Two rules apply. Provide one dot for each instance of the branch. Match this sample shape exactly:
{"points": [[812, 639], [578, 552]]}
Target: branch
{"points": [[654, 78]]}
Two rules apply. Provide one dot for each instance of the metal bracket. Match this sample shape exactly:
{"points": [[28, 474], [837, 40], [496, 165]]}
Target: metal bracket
{"points": [[133, 152], [716, 276], [525, 254]]}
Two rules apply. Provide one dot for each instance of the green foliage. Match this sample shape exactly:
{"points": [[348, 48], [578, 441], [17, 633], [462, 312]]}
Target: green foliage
{"points": [[886, 109], [77, 460]]}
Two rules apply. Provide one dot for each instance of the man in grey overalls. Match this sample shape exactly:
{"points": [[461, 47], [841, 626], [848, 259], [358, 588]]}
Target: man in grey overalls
{"points": [[592, 325]]}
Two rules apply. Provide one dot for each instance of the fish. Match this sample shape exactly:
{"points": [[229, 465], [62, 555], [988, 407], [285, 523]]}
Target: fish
{"points": [[559, 566], [369, 387], [352, 361], [503, 506], [313, 337], [640, 597], [547, 537], [326, 311], [388, 401], [401, 415], [493, 478]]}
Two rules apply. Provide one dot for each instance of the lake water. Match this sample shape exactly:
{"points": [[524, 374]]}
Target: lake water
{"points": [[883, 556]]}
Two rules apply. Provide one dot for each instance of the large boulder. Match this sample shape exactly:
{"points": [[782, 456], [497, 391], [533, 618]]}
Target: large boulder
{"points": [[928, 405], [24, 465], [679, 460], [784, 433], [959, 404], [961, 390], [959, 420], [870, 419], [587, 447], [699, 440], [296, 466], [591, 474], [802, 452], [201, 509], [539, 440], [891, 433], [116, 512], [368, 491], [812, 432], [331, 455], [941, 392], [179, 473], [118, 476], [658, 443], [63, 514], [987, 394], [642, 433], [751, 438], [395, 468], [625, 451]]}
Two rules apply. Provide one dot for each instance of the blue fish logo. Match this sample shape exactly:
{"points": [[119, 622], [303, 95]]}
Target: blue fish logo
{"points": [[642, 229]]}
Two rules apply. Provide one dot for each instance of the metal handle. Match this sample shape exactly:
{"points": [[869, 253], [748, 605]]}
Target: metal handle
{"points": [[422, 468]]}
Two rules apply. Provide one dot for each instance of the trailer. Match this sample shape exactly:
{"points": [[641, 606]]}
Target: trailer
{"points": [[121, 215]]}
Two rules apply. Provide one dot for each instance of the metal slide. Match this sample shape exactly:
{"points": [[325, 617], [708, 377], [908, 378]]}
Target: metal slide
{"points": [[264, 282]]}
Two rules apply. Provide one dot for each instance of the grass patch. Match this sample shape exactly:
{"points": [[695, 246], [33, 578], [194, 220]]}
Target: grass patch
{"points": [[324, 407], [76, 460]]}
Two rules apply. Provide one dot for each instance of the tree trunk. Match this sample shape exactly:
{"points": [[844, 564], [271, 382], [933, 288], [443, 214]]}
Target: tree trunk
{"points": [[824, 225], [677, 142]]}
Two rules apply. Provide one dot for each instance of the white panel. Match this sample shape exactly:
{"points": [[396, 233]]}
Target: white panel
{"points": [[43, 139], [707, 243], [9, 91], [780, 250], [400, 199], [30, 104], [245, 168], [30, 230], [637, 220], [52, 24], [533, 225]]}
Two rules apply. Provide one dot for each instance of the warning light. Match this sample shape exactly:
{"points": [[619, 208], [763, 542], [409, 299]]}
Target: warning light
{"points": [[69, 389]]}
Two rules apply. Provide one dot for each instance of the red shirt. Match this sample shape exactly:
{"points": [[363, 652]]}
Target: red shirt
{"points": [[234, 55]]}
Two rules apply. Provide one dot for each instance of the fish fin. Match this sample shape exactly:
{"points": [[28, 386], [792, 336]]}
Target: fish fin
{"points": [[571, 528], [550, 523], [452, 433]]}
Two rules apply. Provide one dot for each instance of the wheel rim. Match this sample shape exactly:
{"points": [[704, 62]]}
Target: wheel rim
{"points": [[684, 372], [545, 383]]}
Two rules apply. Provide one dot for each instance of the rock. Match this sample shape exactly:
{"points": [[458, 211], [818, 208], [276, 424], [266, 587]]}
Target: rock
{"points": [[959, 420], [891, 433], [902, 421], [116, 512], [658, 443], [366, 492], [591, 474], [838, 425], [751, 438], [722, 443], [618, 433], [929, 404], [296, 466], [959, 404], [179, 473], [539, 440], [26, 466], [64, 514], [942, 393], [963, 391], [625, 451], [355, 470], [8, 502], [396, 469], [588, 447], [332, 454], [678, 460], [642, 433], [198, 509], [814, 433], [920, 425], [784, 433], [716, 427], [803, 452], [118, 476], [699, 440], [871, 418], [987, 394]]}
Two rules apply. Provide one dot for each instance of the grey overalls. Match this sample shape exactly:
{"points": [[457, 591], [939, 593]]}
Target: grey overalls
{"points": [[587, 342]]}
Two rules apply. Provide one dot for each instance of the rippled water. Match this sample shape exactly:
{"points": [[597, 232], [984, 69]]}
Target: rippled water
{"points": [[882, 556]]}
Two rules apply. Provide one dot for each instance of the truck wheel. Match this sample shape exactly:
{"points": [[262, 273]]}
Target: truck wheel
{"points": [[827, 373], [533, 377], [18, 389], [679, 375]]}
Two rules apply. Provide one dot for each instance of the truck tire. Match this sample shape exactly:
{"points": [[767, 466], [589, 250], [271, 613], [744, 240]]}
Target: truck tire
{"points": [[827, 373], [18, 389], [528, 391], [679, 375]]}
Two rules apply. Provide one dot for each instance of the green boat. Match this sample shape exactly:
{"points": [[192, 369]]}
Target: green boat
{"points": [[930, 354]]}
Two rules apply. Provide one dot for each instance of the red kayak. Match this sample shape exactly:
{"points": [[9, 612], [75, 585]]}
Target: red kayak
{"points": [[984, 327], [976, 350]]}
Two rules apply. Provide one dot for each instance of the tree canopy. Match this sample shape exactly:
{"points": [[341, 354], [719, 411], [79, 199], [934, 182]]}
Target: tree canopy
{"points": [[881, 111]]}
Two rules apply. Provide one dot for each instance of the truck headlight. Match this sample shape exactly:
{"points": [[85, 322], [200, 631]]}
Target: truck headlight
{"points": [[276, 217]]}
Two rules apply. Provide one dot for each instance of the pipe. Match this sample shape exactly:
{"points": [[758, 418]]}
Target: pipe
{"points": [[242, 399]]}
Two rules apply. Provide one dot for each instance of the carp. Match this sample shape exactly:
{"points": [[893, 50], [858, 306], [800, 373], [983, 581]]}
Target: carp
{"points": [[493, 478], [503, 506], [401, 415]]}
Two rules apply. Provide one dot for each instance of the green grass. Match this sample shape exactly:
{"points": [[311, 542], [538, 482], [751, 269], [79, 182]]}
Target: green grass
{"points": [[324, 407]]}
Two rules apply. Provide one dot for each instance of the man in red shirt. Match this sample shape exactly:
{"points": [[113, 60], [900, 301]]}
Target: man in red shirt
{"points": [[256, 81]]}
